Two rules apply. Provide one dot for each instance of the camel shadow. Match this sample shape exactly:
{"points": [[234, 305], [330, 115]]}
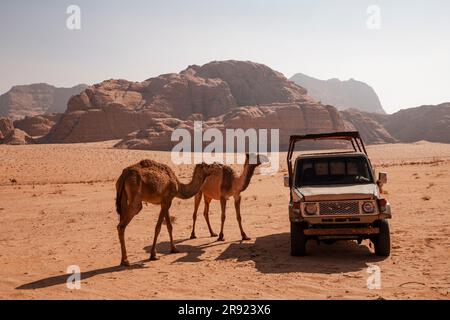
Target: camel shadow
{"points": [[271, 255], [62, 279], [191, 253]]}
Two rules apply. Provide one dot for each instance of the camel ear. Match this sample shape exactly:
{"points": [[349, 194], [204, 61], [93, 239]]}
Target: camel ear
{"points": [[252, 158]]}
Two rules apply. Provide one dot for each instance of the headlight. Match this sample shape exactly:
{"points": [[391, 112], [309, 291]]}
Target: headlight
{"points": [[368, 207], [311, 208]]}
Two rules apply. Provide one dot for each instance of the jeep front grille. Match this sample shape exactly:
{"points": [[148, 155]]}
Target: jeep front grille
{"points": [[338, 208]]}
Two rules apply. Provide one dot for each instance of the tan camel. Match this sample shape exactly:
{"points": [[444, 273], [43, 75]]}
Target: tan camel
{"points": [[156, 183], [222, 184]]}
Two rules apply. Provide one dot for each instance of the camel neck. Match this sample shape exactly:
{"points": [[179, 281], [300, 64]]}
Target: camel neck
{"points": [[246, 176], [188, 190]]}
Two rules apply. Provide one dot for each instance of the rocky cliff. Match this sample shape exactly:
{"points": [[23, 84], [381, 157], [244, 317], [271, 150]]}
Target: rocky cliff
{"points": [[37, 125], [303, 116], [341, 94], [429, 122], [35, 99], [369, 126], [6, 127], [11, 135], [115, 108]]}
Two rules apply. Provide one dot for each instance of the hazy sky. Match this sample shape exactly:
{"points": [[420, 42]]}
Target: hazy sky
{"points": [[407, 61]]}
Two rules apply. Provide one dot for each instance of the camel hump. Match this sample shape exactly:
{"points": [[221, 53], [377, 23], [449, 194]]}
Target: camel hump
{"points": [[146, 163]]}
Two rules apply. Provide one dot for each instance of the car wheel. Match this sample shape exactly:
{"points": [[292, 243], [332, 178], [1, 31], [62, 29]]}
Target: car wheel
{"points": [[382, 242], [298, 239]]}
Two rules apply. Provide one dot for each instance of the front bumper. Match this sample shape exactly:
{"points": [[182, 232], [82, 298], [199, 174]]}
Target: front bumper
{"points": [[296, 216], [341, 231]]}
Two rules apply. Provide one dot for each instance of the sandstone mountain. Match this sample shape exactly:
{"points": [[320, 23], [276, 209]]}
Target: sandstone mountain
{"points": [[369, 126], [341, 94], [35, 99], [37, 125], [429, 122], [303, 116], [6, 127], [11, 135], [116, 108], [222, 94], [17, 137]]}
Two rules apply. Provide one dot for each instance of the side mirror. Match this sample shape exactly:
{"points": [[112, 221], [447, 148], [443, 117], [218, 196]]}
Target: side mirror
{"points": [[286, 181], [382, 178]]}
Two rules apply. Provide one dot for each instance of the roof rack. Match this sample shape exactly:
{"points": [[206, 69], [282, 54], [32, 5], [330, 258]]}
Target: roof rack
{"points": [[352, 136]]}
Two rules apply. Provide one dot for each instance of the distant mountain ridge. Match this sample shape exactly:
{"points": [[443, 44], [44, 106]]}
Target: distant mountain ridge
{"points": [[428, 122], [223, 94], [341, 94], [36, 99]]}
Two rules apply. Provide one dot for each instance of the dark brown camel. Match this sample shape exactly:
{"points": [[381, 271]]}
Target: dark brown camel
{"points": [[156, 183]]}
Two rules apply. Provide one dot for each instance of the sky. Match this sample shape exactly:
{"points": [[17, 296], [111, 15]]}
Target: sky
{"points": [[406, 60]]}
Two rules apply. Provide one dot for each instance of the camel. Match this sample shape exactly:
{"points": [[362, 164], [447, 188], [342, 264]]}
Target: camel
{"points": [[156, 183], [223, 184]]}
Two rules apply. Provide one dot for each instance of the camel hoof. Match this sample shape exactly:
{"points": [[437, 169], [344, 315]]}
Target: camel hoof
{"points": [[174, 250], [245, 238], [193, 236], [213, 234], [125, 263], [221, 238], [153, 257]]}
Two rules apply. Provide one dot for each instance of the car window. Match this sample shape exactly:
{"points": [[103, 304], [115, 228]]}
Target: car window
{"points": [[341, 170]]}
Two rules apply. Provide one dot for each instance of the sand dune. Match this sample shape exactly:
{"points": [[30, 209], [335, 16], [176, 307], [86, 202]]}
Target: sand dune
{"points": [[61, 213]]}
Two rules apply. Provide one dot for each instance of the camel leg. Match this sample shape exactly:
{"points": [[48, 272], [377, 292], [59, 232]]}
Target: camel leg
{"points": [[198, 199], [125, 218], [206, 215], [237, 206], [162, 215], [223, 205], [173, 249]]}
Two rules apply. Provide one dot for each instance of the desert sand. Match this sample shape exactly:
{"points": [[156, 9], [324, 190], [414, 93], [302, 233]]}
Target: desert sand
{"points": [[57, 209]]}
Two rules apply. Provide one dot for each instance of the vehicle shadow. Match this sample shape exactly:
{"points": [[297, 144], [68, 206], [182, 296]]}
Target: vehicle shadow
{"points": [[62, 279], [271, 255]]}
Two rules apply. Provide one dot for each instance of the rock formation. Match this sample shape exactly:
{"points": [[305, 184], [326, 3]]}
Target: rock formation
{"points": [[341, 94], [223, 94], [37, 125], [35, 99], [369, 126], [115, 108], [429, 122], [6, 127], [17, 137], [304, 116]]}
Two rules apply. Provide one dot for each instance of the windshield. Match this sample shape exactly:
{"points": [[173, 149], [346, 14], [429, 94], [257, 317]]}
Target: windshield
{"points": [[326, 171]]}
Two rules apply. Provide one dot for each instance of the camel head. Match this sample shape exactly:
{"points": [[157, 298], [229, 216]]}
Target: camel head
{"points": [[255, 159], [204, 170]]}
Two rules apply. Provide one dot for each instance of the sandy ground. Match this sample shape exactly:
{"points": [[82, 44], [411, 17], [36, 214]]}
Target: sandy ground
{"points": [[61, 213]]}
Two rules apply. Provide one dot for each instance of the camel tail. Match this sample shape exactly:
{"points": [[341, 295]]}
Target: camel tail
{"points": [[120, 186]]}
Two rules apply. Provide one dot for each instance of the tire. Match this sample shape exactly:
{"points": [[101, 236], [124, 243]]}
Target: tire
{"points": [[382, 242], [298, 239]]}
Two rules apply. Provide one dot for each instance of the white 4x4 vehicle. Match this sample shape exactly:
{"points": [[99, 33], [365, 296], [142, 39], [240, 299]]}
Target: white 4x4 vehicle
{"points": [[335, 196]]}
